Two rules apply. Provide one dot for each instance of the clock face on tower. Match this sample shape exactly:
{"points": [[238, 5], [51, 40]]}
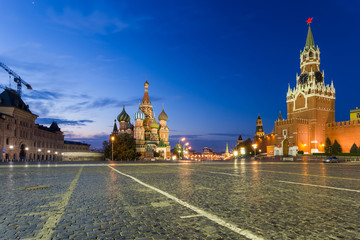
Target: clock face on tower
{"points": [[318, 77], [303, 78]]}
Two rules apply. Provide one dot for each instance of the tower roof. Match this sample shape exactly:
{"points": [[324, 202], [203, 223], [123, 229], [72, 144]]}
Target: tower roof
{"points": [[10, 98], [115, 129], [163, 116], [54, 127], [309, 39], [240, 138], [280, 118], [259, 117], [154, 125], [146, 99], [123, 116], [139, 115], [129, 126]]}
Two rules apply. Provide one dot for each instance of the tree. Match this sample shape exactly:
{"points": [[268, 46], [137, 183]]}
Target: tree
{"points": [[336, 148], [124, 148], [354, 148], [178, 151], [328, 146], [107, 149]]}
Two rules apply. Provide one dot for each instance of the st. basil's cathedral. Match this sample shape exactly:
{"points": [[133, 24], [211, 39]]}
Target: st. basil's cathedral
{"points": [[150, 136]]}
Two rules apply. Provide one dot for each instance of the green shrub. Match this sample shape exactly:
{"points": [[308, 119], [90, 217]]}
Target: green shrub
{"points": [[336, 148], [354, 148]]}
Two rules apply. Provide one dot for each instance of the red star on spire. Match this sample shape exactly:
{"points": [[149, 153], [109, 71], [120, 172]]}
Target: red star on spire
{"points": [[309, 20]]}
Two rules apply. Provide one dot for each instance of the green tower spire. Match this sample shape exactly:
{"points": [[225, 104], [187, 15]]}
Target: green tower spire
{"points": [[309, 39]]}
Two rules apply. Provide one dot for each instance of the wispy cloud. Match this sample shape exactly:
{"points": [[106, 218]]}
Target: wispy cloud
{"points": [[41, 95], [224, 134], [94, 23], [107, 103], [63, 121]]}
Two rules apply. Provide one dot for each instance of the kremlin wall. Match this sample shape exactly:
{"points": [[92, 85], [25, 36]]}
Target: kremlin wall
{"points": [[346, 133]]}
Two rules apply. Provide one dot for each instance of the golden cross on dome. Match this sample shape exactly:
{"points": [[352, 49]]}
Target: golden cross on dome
{"points": [[309, 20]]}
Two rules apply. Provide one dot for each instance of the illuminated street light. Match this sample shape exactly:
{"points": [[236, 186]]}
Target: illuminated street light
{"points": [[39, 150], [26, 149], [11, 146], [242, 151], [254, 146], [112, 147], [48, 151], [187, 144]]}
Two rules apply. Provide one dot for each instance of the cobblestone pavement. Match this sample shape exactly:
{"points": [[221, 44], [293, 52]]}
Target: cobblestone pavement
{"points": [[206, 200]]}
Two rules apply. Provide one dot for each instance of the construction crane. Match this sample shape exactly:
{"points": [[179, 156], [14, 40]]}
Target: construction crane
{"points": [[19, 81]]}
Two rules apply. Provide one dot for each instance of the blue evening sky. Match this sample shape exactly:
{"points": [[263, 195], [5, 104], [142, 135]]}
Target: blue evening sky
{"points": [[214, 65]]}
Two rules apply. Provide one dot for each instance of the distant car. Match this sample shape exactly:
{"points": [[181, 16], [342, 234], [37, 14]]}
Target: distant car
{"points": [[331, 160]]}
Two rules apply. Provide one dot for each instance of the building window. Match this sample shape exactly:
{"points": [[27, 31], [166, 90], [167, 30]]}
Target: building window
{"points": [[284, 133], [7, 141], [357, 115]]}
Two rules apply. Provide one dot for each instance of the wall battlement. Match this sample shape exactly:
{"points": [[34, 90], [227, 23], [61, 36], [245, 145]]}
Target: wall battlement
{"points": [[291, 121], [343, 124]]}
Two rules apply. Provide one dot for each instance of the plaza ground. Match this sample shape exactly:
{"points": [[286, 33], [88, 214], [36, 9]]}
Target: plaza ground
{"points": [[187, 200]]}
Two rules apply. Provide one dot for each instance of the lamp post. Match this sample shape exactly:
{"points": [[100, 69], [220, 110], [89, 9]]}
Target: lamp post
{"points": [[236, 154], [254, 146], [112, 147], [181, 140]]}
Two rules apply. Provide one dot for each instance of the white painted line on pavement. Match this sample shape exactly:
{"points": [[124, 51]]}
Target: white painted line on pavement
{"points": [[54, 218], [210, 216], [313, 185], [191, 216], [231, 174]]}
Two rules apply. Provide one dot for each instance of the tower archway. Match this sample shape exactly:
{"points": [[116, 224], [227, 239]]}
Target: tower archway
{"points": [[285, 147]]}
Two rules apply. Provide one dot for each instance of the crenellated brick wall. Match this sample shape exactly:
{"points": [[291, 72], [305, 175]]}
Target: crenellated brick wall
{"points": [[346, 133]]}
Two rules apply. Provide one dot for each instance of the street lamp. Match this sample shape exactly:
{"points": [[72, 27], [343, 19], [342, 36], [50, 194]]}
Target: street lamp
{"points": [[236, 154], [242, 151], [112, 147], [254, 146], [180, 146]]}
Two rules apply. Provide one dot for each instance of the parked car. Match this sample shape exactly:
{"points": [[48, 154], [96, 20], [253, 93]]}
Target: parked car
{"points": [[331, 160]]}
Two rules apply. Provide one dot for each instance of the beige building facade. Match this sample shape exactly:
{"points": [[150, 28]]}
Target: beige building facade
{"points": [[21, 138]]}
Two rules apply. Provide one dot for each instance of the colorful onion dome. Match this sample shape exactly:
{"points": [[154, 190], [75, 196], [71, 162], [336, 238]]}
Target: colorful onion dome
{"points": [[129, 126], [139, 115], [154, 125], [163, 116], [123, 116]]}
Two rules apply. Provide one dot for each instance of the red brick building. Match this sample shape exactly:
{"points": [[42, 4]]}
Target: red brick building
{"points": [[311, 111]]}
